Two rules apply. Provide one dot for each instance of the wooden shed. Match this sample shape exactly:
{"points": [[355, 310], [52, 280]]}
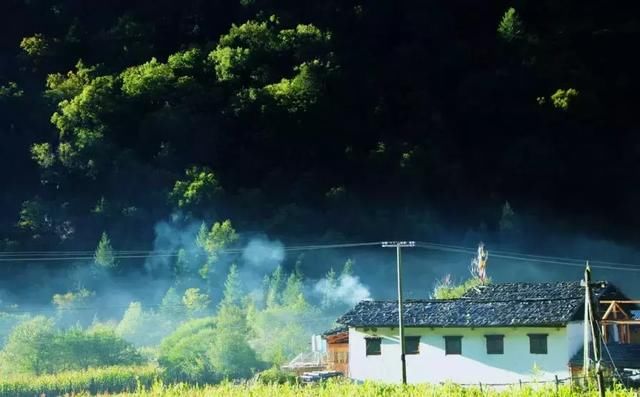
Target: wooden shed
{"points": [[338, 349]]}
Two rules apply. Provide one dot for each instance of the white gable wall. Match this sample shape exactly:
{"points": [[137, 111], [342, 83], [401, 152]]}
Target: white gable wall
{"points": [[474, 365]]}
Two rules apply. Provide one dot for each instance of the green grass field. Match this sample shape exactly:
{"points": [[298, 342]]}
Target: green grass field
{"points": [[342, 389], [146, 381]]}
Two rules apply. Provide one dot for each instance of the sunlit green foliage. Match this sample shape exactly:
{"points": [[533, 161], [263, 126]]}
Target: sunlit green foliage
{"points": [[36, 45], [510, 27], [145, 327], [446, 289], [190, 62], [563, 99], [195, 302], [28, 348], [230, 353], [200, 187], [281, 329], [7, 322], [265, 61], [213, 241], [90, 381], [80, 126], [43, 154], [10, 90], [152, 79], [103, 257], [34, 217], [36, 347], [61, 86], [184, 353], [69, 305], [300, 92]]}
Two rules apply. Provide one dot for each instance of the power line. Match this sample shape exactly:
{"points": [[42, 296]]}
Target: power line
{"points": [[69, 256], [51, 256], [606, 348], [572, 262]]}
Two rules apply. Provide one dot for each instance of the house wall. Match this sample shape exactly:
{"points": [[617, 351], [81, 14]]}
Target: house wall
{"points": [[575, 340], [474, 365], [338, 357]]}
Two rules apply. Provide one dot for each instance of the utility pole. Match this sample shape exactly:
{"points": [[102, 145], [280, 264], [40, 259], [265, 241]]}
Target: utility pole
{"points": [[590, 310], [587, 328], [398, 245]]}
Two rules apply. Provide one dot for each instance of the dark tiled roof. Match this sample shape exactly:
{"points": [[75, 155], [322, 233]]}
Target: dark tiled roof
{"points": [[553, 290], [462, 313], [336, 330], [624, 356], [508, 304]]}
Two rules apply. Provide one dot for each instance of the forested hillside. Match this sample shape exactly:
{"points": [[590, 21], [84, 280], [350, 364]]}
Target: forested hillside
{"points": [[325, 118]]}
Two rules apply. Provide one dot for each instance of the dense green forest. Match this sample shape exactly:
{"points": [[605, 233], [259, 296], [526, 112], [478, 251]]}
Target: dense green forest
{"points": [[332, 119]]}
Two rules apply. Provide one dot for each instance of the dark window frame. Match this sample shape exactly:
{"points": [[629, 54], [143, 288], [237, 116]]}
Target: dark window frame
{"points": [[538, 343], [495, 343], [450, 342], [368, 351], [417, 345]]}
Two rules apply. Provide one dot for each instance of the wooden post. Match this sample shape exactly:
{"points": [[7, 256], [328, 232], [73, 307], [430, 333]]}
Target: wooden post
{"points": [[557, 385], [586, 331], [595, 335]]}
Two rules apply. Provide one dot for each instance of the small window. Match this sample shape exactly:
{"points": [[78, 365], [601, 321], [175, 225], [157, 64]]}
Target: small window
{"points": [[373, 346], [538, 343], [495, 344], [412, 345], [453, 345]]}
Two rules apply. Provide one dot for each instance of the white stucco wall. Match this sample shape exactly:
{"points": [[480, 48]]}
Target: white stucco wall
{"points": [[575, 332], [474, 365]]}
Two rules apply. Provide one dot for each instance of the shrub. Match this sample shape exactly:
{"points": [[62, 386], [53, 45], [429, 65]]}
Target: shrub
{"points": [[36, 347], [275, 375], [183, 354]]}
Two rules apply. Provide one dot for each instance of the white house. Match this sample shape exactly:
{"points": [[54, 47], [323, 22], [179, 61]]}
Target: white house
{"points": [[495, 334]]}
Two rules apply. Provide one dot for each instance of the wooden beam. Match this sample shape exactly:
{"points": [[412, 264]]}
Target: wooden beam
{"points": [[609, 310], [621, 310], [623, 302], [630, 322]]}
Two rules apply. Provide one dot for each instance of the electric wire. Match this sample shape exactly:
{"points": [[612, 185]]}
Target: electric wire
{"points": [[46, 256], [606, 348], [573, 263]]}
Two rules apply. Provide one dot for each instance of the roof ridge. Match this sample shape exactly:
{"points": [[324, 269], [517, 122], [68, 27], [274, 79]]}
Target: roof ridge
{"points": [[472, 299]]}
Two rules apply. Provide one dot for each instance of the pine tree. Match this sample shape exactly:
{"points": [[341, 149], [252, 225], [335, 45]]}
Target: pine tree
{"points": [[507, 219], [274, 287], [171, 305], [510, 28], [328, 286], [292, 295], [230, 353], [232, 287], [347, 270], [103, 256]]}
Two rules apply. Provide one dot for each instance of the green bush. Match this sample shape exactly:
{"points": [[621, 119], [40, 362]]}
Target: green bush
{"points": [[183, 354], [275, 375], [36, 347], [94, 380]]}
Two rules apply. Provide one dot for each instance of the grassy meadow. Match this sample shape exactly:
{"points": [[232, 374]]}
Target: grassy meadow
{"points": [[146, 381]]}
